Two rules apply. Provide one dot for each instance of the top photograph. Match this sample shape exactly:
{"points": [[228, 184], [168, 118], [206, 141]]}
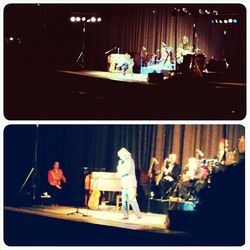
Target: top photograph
{"points": [[124, 61]]}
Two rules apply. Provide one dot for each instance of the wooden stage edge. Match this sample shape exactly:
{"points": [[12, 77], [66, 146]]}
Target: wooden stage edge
{"points": [[106, 216]]}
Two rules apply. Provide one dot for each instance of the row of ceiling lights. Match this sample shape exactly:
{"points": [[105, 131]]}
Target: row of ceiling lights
{"points": [[77, 19], [225, 21], [185, 11]]}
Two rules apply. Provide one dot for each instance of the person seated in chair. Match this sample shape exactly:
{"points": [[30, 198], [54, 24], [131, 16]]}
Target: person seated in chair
{"points": [[55, 179], [170, 174], [192, 180]]}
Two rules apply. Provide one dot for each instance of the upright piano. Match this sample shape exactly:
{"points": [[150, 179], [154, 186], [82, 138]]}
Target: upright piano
{"points": [[103, 181], [116, 59]]}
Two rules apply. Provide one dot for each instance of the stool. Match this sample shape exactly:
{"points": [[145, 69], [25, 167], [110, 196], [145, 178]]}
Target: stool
{"points": [[119, 201]]}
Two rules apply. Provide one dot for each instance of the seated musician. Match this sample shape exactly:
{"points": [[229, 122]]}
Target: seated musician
{"points": [[191, 179], [241, 147], [170, 174], [228, 157], [183, 49], [222, 152], [55, 179]]}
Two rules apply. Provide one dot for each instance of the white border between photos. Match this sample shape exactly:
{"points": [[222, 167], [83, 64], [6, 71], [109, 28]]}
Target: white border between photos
{"points": [[4, 122]]}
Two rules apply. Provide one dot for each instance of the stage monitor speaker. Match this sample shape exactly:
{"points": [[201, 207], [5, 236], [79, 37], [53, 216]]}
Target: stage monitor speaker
{"points": [[155, 77]]}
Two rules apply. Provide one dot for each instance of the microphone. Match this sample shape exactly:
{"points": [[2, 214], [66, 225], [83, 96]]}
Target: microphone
{"points": [[110, 50]]}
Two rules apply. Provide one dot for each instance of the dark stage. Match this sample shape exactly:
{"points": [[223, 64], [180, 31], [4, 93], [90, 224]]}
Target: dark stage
{"points": [[98, 229], [218, 217], [97, 95], [52, 226], [44, 77]]}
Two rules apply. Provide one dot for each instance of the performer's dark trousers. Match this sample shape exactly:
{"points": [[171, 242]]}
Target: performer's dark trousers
{"points": [[185, 188], [56, 194], [165, 185], [191, 187]]}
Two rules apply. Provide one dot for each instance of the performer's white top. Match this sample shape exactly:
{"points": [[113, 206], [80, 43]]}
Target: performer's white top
{"points": [[126, 171]]}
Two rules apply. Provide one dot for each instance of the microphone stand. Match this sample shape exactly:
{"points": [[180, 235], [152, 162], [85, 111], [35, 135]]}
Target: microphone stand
{"points": [[81, 56], [33, 174], [77, 210]]}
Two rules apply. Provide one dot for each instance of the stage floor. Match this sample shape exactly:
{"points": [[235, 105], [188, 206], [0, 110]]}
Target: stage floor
{"points": [[139, 78], [106, 215], [117, 76], [41, 225]]}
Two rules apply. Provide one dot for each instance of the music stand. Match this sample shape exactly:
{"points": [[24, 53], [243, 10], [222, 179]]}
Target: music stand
{"points": [[77, 210]]}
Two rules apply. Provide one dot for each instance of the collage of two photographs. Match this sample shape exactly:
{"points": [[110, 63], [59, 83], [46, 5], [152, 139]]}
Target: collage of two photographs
{"points": [[85, 161]]}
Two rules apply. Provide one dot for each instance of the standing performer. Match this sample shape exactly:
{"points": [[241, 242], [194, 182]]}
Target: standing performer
{"points": [[126, 170], [55, 177]]}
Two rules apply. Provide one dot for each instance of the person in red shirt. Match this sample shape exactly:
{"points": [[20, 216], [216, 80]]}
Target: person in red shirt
{"points": [[55, 179]]}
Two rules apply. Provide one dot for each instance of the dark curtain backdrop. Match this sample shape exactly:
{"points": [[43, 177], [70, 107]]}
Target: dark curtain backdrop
{"points": [[134, 26], [96, 146], [52, 39]]}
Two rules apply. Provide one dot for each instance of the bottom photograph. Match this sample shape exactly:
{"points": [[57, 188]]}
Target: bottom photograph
{"points": [[124, 185]]}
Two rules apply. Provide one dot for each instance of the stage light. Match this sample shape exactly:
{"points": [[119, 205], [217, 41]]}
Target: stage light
{"points": [[216, 21], [84, 19], [78, 19], [215, 13], [207, 12], [230, 20], [88, 20], [72, 19], [220, 21], [99, 19], [201, 12], [212, 21], [11, 38], [93, 19], [235, 20], [225, 20], [184, 10]]}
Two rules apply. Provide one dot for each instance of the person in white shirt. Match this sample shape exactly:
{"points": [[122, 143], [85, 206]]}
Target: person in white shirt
{"points": [[126, 171]]}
